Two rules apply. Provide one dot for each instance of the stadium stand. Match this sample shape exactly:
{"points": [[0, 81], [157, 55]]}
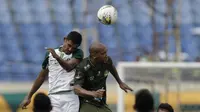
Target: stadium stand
{"points": [[26, 30]]}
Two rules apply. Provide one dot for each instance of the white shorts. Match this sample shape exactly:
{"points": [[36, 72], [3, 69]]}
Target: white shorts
{"points": [[64, 102]]}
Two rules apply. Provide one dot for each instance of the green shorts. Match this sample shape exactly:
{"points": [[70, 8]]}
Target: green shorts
{"points": [[86, 107]]}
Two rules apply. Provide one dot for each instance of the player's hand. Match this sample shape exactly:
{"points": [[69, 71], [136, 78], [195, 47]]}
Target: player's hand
{"points": [[125, 87], [52, 51], [99, 93], [25, 103]]}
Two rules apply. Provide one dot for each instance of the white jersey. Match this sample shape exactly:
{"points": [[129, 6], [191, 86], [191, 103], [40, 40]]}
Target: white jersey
{"points": [[59, 79]]}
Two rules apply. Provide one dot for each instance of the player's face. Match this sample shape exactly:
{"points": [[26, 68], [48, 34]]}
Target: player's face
{"points": [[163, 110], [68, 46], [102, 56]]}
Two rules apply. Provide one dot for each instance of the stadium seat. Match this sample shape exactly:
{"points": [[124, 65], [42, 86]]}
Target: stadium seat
{"points": [[145, 38], [27, 30], [2, 56], [39, 5], [61, 6], [19, 72], [35, 56], [7, 30], [63, 30], [5, 16], [22, 3], [195, 11], [34, 70], [63, 17], [45, 30], [140, 12], [5, 74]]}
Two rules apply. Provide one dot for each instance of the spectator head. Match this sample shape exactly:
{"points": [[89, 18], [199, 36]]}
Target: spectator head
{"points": [[144, 101], [165, 107], [42, 103]]}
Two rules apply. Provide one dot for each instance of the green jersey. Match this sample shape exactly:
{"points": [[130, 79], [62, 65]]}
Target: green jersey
{"points": [[92, 78]]}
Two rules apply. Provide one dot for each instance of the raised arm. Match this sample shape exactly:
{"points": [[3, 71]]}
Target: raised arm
{"points": [[38, 82], [68, 65], [115, 74], [36, 85]]}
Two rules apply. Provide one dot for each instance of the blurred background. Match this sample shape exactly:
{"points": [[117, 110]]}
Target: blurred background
{"points": [[146, 31]]}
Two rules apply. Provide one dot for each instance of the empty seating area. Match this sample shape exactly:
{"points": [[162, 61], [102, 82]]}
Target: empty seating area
{"points": [[27, 26]]}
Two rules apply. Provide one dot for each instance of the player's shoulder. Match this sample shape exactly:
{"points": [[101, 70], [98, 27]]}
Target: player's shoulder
{"points": [[79, 51], [78, 54], [84, 63], [109, 61]]}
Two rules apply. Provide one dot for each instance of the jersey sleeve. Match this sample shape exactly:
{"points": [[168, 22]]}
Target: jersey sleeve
{"points": [[78, 54], [45, 62], [79, 76]]}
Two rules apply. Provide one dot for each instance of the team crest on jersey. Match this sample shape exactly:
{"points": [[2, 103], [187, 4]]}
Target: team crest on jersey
{"points": [[92, 78], [106, 73], [62, 54], [86, 67]]}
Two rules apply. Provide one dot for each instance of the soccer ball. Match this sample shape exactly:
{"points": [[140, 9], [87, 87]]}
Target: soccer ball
{"points": [[107, 14]]}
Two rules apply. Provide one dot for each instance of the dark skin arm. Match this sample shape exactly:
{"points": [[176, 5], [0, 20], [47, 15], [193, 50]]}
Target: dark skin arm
{"points": [[85, 93], [37, 84], [67, 65], [79, 80], [122, 85]]}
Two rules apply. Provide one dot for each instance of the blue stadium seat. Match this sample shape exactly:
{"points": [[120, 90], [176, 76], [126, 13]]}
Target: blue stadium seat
{"points": [[63, 17], [195, 11], [30, 42], [11, 44], [2, 56], [140, 12], [7, 30], [61, 6], [19, 72], [52, 42], [27, 30], [19, 5], [41, 17], [63, 30], [39, 5], [145, 38], [35, 56], [5, 74], [34, 70], [106, 32], [125, 14], [45, 30], [5, 16]]}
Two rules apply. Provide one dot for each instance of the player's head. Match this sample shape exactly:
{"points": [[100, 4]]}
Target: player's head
{"points": [[71, 42], [42, 103], [165, 107], [144, 101], [98, 52]]}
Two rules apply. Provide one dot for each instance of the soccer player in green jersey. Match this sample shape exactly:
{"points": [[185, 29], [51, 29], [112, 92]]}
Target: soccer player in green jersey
{"points": [[90, 79]]}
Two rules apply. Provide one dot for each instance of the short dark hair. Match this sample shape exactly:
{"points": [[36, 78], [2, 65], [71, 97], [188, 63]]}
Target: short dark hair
{"points": [[42, 103], [75, 37], [144, 101], [166, 106]]}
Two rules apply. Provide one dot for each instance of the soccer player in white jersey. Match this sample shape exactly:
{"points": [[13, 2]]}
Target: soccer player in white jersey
{"points": [[59, 66]]}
